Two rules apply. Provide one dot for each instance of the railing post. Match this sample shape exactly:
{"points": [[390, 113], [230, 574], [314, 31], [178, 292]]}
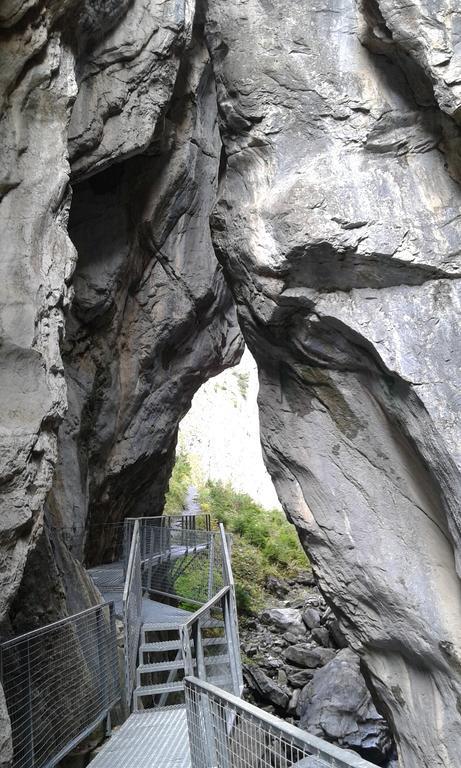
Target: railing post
{"points": [[99, 618], [31, 713], [186, 651], [132, 592], [198, 645], [210, 566]]}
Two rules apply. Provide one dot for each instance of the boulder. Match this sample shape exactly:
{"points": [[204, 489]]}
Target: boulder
{"points": [[311, 618], [295, 635], [300, 678], [277, 587], [321, 636], [336, 705], [284, 618], [265, 687], [307, 656]]}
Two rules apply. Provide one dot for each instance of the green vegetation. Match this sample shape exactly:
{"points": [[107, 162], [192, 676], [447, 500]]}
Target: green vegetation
{"points": [[243, 380], [264, 543], [180, 481]]}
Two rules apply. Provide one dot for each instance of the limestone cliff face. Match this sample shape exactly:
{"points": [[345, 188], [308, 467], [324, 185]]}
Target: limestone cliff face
{"points": [[113, 306], [328, 132], [338, 225]]}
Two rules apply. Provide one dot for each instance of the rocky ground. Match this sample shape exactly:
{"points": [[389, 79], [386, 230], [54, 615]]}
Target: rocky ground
{"points": [[298, 666]]}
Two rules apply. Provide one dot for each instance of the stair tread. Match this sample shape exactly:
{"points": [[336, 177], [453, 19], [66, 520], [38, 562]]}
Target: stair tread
{"points": [[149, 626], [159, 666], [219, 659], [152, 690], [158, 647], [175, 645]]}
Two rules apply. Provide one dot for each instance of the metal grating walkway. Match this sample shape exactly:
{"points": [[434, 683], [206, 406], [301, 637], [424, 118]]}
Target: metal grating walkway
{"points": [[155, 739]]}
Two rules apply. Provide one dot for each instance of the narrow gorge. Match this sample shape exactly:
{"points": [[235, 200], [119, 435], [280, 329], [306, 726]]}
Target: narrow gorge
{"points": [[184, 177]]}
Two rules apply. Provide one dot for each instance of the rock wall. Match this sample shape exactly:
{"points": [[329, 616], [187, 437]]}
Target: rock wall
{"points": [[337, 228], [113, 307]]}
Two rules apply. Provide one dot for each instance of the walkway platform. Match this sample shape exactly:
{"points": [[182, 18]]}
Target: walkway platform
{"points": [[155, 739], [109, 579]]}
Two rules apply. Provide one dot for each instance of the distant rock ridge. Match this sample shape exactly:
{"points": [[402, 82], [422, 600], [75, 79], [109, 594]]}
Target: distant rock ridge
{"points": [[220, 433]]}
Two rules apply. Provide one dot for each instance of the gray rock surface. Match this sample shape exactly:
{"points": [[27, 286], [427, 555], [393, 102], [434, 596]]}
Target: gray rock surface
{"points": [[338, 224], [152, 317], [100, 356], [97, 367], [266, 687], [311, 618], [286, 619], [336, 705], [305, 656], [337, 229]]}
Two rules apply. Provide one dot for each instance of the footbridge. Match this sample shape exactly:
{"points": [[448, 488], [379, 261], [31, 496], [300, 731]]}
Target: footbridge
{"points": [[162, 652]]}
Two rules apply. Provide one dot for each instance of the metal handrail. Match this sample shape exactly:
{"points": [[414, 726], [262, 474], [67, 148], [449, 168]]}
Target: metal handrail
{"points": [[217, 705], [205, 608], [194, 620], [233, 628], [227, 566], [46, 629], [132, 613], [166, 519]]}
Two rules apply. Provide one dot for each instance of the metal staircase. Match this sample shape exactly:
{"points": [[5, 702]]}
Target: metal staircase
{"points": [[160, 672], [162, 664], [183, 676]]}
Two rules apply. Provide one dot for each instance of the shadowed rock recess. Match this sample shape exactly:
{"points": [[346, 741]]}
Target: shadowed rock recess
{"points": [[322, 142]]}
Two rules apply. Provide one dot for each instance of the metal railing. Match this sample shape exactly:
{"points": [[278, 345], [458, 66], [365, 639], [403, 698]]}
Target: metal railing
{"points": [[210, 638], [132, 613], [227, 732], [60, 682], [165, 523], [232, 616], [180, 564], [207, 646]]}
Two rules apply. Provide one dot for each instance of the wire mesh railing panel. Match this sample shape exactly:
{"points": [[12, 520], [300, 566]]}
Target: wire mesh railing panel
{"points": [[59, 683], [180, 563], [132, 613], [217, 650], [200, 522], [226, 732]]}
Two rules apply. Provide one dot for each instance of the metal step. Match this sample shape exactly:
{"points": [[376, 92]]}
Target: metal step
{"points": [[153, 690], [214, 641], [160, 666], [210, 661], [160, 647], [171, 626], [148, 629], [175, 645]]}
